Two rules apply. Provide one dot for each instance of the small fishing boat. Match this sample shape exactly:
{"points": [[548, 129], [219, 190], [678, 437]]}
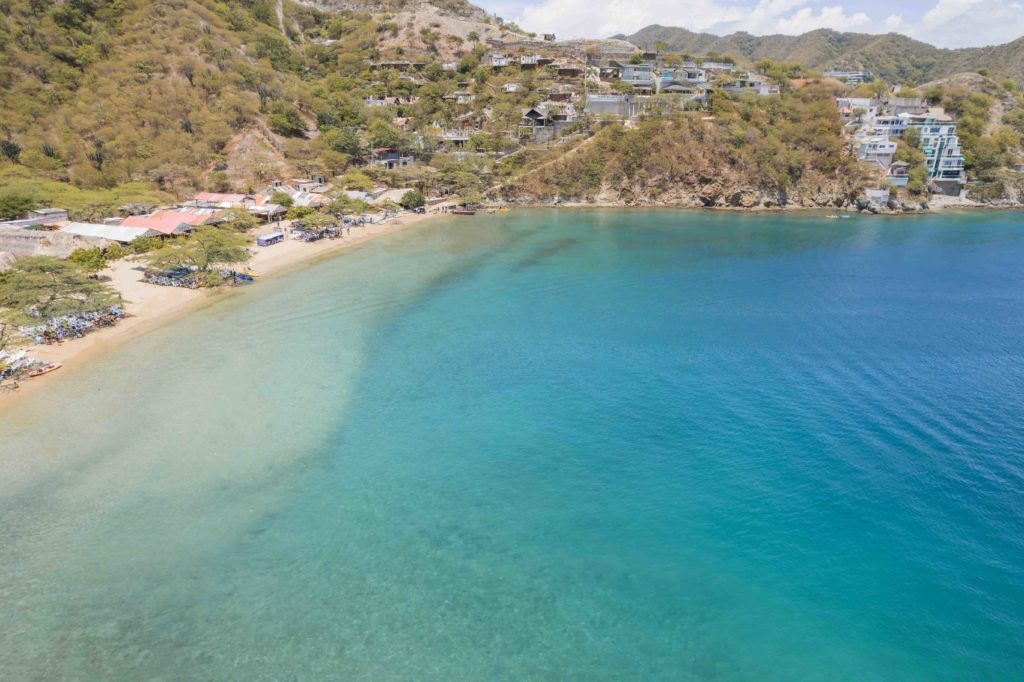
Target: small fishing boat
{"points": [[45, 369], [844, 217], [832, 216], [463, 211]]}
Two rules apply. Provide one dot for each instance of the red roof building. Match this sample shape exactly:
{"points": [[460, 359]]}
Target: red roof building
{"points": [[165, 225]]}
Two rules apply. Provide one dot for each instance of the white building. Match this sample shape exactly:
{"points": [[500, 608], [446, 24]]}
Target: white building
{"points": [[876, 149], [849, 77], [941, 146]]}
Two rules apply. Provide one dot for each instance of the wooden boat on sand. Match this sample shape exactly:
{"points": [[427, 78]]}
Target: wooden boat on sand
{"points": [[45, 369]]}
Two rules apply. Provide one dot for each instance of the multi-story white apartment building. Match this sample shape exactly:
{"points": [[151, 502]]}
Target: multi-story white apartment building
{"points": [[882, 121], [849, 77], [876, 149], [891, 126], [941, 146]]}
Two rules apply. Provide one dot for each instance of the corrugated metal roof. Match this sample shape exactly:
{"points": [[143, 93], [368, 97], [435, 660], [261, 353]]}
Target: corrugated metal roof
{"points": [[117, 233], [192, 216], [220, 196], [168, 224]]}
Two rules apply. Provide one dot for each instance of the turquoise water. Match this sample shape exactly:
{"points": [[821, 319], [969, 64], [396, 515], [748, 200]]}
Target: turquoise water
{"points": [[547, 445]]}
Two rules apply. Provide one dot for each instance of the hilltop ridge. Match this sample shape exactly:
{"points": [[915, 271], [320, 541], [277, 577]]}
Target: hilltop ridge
{"points": [[891, 56]]}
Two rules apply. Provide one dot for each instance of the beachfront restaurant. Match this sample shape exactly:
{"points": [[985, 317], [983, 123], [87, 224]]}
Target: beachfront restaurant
{"points": [[269, 239]]}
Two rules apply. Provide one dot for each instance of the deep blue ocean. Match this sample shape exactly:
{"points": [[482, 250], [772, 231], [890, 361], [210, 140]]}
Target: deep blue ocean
{"points": [[546, 445]]}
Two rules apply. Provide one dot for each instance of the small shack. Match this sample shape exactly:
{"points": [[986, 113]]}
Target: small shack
{"points": [[269, 239]]}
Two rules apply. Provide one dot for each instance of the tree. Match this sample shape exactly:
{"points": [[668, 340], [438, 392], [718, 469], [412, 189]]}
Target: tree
{"points": [[343, 140], [10, 149], [13, 205], [299, 212], [383, 134], [284, 119], [238, 221], [204, 250], [412, 199], [91, 260], [144, 244], [281, 199], [220, 181], [355, 180], [37, 288], [318, 221], [345, 205], [673, 59]]}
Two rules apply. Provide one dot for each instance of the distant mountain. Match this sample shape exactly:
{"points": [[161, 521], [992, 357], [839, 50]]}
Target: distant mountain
{"points": [[893, 57]]}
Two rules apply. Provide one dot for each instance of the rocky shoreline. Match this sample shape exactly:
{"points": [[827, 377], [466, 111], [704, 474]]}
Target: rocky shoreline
{"points": [[750, 200]]}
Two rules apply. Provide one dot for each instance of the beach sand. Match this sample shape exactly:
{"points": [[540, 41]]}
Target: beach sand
{"points": [[149, 306]]}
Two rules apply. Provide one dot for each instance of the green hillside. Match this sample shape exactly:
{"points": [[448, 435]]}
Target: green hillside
{"points": [[894, 57], [106, 93]]}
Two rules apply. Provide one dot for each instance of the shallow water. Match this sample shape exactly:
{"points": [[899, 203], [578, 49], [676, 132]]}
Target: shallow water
{"points": [[547, 445]]}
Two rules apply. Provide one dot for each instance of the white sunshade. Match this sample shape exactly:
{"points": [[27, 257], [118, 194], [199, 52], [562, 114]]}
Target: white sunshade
{"points": [[115, 233]]}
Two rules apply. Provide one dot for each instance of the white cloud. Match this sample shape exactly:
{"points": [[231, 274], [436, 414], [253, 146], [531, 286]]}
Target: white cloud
{"points": [[894, 23], [949, 23], [970, 23], [830, 17]]}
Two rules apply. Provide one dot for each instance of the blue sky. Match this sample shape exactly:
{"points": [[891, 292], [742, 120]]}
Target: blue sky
{"points": [[946, 23]]}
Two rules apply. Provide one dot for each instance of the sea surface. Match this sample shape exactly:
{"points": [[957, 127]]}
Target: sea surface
{"points": [[547, 445]]}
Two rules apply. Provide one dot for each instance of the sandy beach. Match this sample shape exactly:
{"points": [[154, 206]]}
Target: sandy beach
{"points": [[149, 306]]}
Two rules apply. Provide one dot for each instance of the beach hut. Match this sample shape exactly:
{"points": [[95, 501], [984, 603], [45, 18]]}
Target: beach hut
{"points": [[116, 233], [269, 239]]}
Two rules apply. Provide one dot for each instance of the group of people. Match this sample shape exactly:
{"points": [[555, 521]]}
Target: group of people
{"points": [[73, 326], [172, 278]]}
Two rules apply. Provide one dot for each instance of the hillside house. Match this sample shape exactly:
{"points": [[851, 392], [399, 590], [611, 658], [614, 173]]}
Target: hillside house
{"points": [[755, 83], [906, 105], [714, 67], [529, 61], [460, 97], [899, 173], [684, 91], [875, 149], [612, 71], [857, 109], [499, 61], [544, 121], [640, 76], [891, 126], [852, 78], [389, 158], [619, 106], [453, 139], [510, 87]]}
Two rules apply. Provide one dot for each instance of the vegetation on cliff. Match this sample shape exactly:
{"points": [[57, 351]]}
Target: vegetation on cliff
{"points": [[749, 151]]}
